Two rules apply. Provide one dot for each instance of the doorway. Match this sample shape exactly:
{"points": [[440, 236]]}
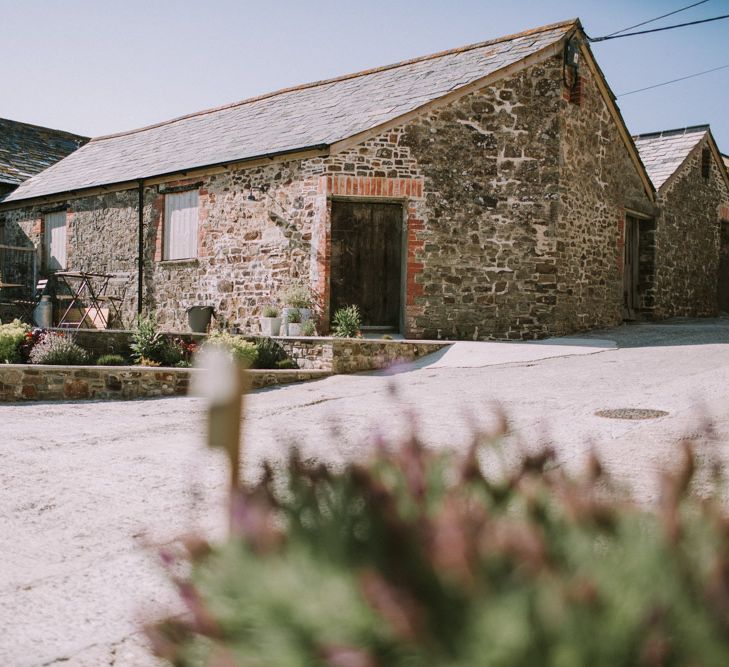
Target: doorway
{"points": [[631, 268], [723, 284], [366, 262]]}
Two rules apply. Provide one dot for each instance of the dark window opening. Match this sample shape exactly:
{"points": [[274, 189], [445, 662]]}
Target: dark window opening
{"points": [[705, 162]]}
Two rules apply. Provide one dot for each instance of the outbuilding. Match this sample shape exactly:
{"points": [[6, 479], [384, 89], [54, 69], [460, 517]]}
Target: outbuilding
{"points": [[481, 192]]}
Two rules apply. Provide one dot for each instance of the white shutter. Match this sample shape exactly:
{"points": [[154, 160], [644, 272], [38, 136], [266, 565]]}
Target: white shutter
{"points": [[55, 240], [180, 233]]}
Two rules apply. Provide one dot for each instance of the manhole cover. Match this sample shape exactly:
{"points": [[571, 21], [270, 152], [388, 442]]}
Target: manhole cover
{"points": [[631, 413]]}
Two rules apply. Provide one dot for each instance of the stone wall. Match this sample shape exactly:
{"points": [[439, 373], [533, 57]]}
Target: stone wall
{"points": [[486, 240], [598, 182], [101, 237], [353, 355], [57, 383], [687, 241]]}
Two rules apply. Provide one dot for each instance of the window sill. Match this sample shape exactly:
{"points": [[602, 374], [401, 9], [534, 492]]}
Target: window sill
{"points": [[193, 261]]}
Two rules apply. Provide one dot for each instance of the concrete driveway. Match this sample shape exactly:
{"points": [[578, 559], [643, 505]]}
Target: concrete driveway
{"points": [[84, 487]]}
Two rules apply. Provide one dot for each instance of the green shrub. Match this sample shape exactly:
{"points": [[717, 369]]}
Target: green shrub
{"points": [[417, 558], [297, 295], [149, 344], [268, 353], [58, 349], [286, 364], [240, 349], [270, 311], [308, 328], [294, 316], [347, 322], [12, 336], [111, 360]]}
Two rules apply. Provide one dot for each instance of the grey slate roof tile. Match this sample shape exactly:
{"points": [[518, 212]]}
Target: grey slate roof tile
{"points": [[317, 114], [26, 150], [663, 153]]}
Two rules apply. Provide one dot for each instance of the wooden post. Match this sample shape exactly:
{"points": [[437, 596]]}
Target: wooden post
{"points": [[224, 383]]}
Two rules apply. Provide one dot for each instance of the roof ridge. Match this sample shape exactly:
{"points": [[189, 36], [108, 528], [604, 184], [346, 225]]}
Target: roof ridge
{"points": [[43, 127], [674, 132], [344, 77]]}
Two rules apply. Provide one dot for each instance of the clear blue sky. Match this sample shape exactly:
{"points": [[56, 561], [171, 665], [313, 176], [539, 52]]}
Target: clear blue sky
{"points": [[100, 66]]}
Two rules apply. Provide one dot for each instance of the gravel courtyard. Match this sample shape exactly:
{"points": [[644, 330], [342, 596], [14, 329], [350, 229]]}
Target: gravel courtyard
{"points": [[87, 488]]}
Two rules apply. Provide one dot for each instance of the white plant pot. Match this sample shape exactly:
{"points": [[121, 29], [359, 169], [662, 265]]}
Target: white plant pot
{"points": [[294, 329], [306, 314], [270, 326]]}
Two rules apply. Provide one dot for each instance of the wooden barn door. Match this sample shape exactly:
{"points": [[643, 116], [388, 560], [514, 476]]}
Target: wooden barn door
{"points": [[631, 268], [724, 267], [366, 264]]}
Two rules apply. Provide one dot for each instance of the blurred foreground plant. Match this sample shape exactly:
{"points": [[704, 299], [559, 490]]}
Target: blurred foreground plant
{"points": [[417, 558]]}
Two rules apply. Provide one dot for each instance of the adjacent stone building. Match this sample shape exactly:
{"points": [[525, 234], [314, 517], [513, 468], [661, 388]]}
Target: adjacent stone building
{"points": [[477, 193], [26, 150], [684, 250]]}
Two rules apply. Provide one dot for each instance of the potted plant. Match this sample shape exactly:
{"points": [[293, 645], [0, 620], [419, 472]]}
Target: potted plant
{"points": [[270, 321], [297, 296], [293, 319], [308, 328]]}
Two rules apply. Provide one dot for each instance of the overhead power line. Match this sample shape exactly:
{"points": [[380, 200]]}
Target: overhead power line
{"points": [[645, 32], [658, 18], [665, 83]]}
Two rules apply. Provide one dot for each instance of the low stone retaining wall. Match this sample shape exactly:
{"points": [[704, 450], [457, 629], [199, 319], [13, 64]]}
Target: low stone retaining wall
{"points": [[23, 382], [316, 357], [352, 355]]}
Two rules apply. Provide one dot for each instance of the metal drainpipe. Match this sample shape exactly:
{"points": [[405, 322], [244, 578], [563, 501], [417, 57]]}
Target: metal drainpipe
{"points": [[140, 246]]}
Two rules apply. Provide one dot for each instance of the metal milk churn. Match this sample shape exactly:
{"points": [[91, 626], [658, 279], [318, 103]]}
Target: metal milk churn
{"points": [[43, 313]]}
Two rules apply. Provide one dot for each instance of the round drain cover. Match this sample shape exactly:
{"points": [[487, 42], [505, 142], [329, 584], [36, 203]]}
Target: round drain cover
{"points": [[631, 413]]}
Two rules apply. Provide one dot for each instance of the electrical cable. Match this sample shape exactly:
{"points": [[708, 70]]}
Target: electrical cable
{"points": [[665, 83], [658, 18], [645, 32]]}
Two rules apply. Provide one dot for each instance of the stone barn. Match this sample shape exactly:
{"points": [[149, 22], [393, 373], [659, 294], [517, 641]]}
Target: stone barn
{"points": [[477, 193], [26, 150], [682, 266]]}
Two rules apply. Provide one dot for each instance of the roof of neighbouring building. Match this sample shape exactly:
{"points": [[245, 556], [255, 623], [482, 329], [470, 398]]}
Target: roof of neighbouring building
{"points": [[315, 115], [664, 152], [26, 150]]}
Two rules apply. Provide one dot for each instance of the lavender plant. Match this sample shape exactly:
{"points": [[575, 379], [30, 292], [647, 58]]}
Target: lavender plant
{"points": [[418, 558], [58, 349]]}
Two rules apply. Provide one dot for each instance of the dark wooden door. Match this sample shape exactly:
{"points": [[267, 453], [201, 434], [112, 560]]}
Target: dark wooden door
{"points": [[631, 269], [366, 264], [724, 267]]}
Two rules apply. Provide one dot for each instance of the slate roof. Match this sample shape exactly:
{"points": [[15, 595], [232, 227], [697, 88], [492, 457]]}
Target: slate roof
{"points": [[313, 115], [664, 152], [26, 150]]}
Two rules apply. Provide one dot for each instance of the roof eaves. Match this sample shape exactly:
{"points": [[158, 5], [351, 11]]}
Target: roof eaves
{"points": [[7, 202]]}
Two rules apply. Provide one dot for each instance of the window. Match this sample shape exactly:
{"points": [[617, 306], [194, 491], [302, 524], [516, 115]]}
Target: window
{"points": [[55, 241], [705, 162], [180, 232]]}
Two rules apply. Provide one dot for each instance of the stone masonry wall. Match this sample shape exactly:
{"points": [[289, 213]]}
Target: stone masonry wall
{"points": [[71, 383], [688, 240], [101, 237], [486, 240], [598, 181]]}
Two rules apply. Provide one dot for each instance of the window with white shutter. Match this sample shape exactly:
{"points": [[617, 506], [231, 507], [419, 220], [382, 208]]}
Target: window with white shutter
{"points": [[180, 232], [55, 240]]}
